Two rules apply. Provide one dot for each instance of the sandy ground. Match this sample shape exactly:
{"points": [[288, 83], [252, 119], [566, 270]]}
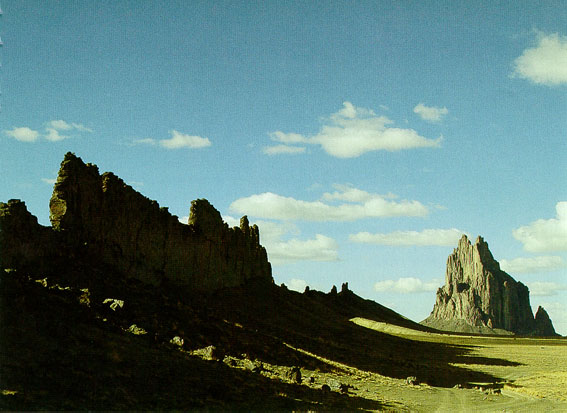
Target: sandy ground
{"points": [[537, 384]]}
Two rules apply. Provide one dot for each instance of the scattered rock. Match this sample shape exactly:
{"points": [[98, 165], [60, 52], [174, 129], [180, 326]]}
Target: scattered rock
{"points": [[209, 353], [412, 381], [134, 329], [326, 388], [294, 374], [114, 303], [177, 341]]}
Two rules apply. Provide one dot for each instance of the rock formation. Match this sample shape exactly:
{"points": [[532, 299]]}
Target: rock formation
{"points": [[101, 219], [479, 297]]}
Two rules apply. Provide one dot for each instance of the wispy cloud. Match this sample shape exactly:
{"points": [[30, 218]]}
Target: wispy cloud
{"points": [[49, 181], [427, 237], [545, 289], [546, 63], [354, 131], [408, 285], [178, 140], [52, 131], [532, 264], [361, 204], [283, 149], [545, 235], [430, 113]]}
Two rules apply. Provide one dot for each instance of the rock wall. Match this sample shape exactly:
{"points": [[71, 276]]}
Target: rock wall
{"points": [[101, 217], [478, 294]]}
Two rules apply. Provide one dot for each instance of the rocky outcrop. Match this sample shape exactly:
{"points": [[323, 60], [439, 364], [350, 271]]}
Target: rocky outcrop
{"points": [[479, 297], [543, 324], [101, 219]]}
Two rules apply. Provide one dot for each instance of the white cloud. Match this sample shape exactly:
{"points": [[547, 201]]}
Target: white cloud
{"points": [[353, 131], [320, 248], [545, 289], [283, 149], [49, 181], [532, 264], [407, 285], [231, 221], [427, 237], [273, 206], [52, 131], [545, 234], [545, 64], [282, 249], [23, 134], [145, 141], [178, 140], [59, 125], [53, 135], [430, 113], [297, 285]]}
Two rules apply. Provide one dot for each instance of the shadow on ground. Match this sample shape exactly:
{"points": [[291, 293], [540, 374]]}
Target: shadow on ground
{"points": [[63, 348]]}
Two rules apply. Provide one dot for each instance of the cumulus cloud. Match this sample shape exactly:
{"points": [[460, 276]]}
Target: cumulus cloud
{"points": [[532, 264], [178, 140], [23, 134], [320, 248], [353, 131], [427, 237], [545, 289], [296, 284], [51, 133], [282, 242], [363, 205], [545, 234], [283, 149], [408, 285], [430, 113], [546, 63]]}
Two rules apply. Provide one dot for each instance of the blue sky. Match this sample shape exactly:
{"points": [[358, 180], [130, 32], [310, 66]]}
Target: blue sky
{"points": [[362, 137]]}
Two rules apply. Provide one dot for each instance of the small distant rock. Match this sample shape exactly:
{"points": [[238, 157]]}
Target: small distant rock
{"points": [[294, 374], [412, 381], [114, 303], [325, 388], [134, 329], [209, 353], [334, 385], [177, 341]]}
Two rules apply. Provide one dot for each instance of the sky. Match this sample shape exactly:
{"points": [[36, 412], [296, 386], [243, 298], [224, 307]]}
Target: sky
{"points": [[363, 137]]}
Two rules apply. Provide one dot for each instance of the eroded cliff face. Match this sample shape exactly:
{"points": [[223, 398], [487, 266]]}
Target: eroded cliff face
{"points": [[479, 297], [100, 218]]}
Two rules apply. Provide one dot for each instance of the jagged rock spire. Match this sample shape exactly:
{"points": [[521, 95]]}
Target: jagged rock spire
{"points": [[478, 296]]}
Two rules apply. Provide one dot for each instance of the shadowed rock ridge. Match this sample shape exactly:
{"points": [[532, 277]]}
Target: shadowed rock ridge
{"points": [[478, 297], [100, 218]]}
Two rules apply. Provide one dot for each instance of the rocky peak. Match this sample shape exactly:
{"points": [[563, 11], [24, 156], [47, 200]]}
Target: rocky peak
{"points": [[102, 219], [543, 325], [478, 296]]}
